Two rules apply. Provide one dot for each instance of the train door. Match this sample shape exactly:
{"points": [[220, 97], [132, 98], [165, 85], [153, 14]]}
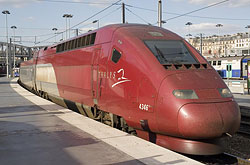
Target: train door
{"points": [[118, 81], [229, 71], [95, 75]]}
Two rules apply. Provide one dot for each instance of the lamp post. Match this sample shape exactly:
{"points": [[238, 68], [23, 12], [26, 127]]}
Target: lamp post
{"points": [[14, 50], [66, 28], [248, 51], [189, 35], [6, 12], [67, 16], [189, 24], [201, 43], [55, 29], [218, 26], [162, 21], [159, 13], [96, 21]]}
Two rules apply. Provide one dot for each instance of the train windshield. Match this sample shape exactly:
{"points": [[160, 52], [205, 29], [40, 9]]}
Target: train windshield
{"points": [[171, 52]]}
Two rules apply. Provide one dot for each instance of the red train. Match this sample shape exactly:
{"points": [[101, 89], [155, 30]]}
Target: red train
{"points": [[141, 79]]}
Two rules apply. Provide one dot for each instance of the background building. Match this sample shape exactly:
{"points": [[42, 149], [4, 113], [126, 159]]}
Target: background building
{"points": [[222, 46]]}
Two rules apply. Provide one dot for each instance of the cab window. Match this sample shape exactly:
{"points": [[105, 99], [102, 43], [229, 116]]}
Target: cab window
{"points": [[171, 52], [116, 55]]}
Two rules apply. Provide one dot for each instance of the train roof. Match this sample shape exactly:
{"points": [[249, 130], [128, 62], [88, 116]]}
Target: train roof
{"points": [[105, 34], [138, 30]]}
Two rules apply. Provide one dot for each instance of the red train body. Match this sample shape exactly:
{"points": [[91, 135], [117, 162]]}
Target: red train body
{"points": [[148, 76]]}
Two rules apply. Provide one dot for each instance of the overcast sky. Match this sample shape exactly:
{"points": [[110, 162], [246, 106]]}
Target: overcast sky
{"points": [[35, 19]]}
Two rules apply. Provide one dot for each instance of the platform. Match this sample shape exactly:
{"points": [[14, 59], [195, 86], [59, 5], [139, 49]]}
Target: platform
{"points": [[37, 131], [243, 100]]}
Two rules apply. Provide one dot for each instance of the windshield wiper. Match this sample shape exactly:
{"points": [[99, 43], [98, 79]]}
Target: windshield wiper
{"points": [[160, 53]]}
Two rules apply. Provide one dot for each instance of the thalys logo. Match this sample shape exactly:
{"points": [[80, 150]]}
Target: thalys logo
{"points": [[118, 75], [121, 79]]}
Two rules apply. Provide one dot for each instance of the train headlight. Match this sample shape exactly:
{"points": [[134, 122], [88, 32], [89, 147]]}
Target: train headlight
{"points": [[185, 94], [225, 92]]}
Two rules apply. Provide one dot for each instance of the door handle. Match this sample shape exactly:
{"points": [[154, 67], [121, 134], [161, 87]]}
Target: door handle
{"points": [[100, 85]]}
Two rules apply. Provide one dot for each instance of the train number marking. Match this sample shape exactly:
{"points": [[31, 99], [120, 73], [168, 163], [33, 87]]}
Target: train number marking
{"points": [[144, 107]]}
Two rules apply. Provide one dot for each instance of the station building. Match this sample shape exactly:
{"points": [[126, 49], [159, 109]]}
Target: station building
{"points": [[223, 46]]}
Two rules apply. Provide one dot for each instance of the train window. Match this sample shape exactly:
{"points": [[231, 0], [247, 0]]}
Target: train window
{"points": [[219, 62], [69, 44], [210, 62], [64, 46], [93, 35], [171, 52], [78, 42], [214, 62], [245, 67], [58, 48], [116, 55], [83, 41], [75, 43], [72, 45], [88, 40]]}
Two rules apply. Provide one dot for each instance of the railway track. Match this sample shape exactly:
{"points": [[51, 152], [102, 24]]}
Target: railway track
{"points": [[244, 128], [245, 111], [245, 121], [224, 158], [235, 154]]}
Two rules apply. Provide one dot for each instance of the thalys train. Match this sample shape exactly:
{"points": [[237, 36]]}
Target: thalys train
{"points": [[141, 79], [231, 67]]}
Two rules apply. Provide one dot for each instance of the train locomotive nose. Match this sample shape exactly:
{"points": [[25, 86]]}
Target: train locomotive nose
{"points": [[208, 120]]}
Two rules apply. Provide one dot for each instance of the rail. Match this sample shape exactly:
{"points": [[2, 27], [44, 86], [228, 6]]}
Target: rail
{"points": [[245, 121], [224, 158]]}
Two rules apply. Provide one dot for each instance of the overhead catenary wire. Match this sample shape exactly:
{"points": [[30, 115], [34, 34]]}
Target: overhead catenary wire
{"points": [[195, 16], [138, 16], [83, 21], [132, 6], [96, 14], [102, 17], [30, 28], [214, 4], [77, 2], [42, 35], [128, 8], [110, 12], [49, 34], [85, 25]]}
